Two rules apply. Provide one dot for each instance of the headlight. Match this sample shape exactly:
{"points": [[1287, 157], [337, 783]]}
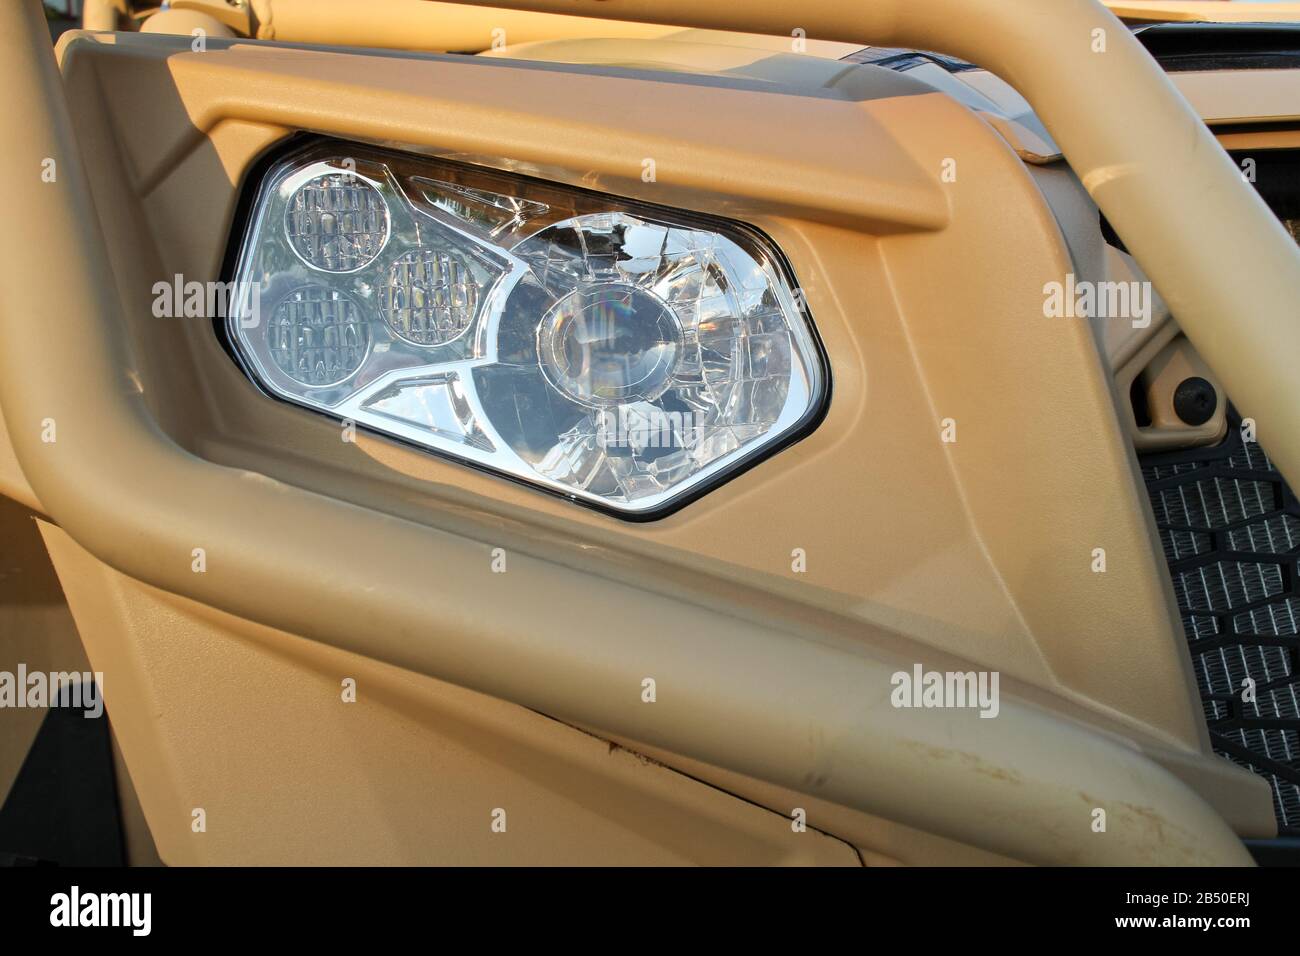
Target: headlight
{"points": [[618, 354]]}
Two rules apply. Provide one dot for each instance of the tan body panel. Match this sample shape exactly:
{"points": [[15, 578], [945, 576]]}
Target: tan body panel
{"points": [[1204, 10], [411, 773], [705, 598]]}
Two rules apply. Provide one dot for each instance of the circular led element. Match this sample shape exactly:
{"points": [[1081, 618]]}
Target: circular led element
{"points": [[609, 344], [337, 222], [430, 297], [317, 336]]}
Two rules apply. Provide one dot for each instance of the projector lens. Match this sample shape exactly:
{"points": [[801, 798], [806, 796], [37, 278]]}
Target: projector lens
{"points": [[609, 344]]}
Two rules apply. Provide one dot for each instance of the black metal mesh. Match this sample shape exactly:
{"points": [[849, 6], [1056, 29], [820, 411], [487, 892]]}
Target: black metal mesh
{"points": [[1230, 529]]}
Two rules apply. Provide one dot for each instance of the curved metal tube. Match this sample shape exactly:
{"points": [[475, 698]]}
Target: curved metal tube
{"points": [[309, 564]]}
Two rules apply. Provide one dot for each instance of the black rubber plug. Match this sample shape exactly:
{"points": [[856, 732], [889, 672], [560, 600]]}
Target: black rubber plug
{"points": [[1195, 400]]}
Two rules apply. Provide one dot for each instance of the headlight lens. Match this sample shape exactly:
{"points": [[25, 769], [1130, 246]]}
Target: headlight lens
{"points": [[621, 355]]}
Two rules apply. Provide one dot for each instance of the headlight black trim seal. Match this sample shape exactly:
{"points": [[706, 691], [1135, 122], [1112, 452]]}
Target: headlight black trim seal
{"points": [[250, 189]]}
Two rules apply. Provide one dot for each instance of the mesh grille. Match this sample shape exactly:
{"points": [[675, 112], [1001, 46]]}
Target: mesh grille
{"points": [[1230, 531]]}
